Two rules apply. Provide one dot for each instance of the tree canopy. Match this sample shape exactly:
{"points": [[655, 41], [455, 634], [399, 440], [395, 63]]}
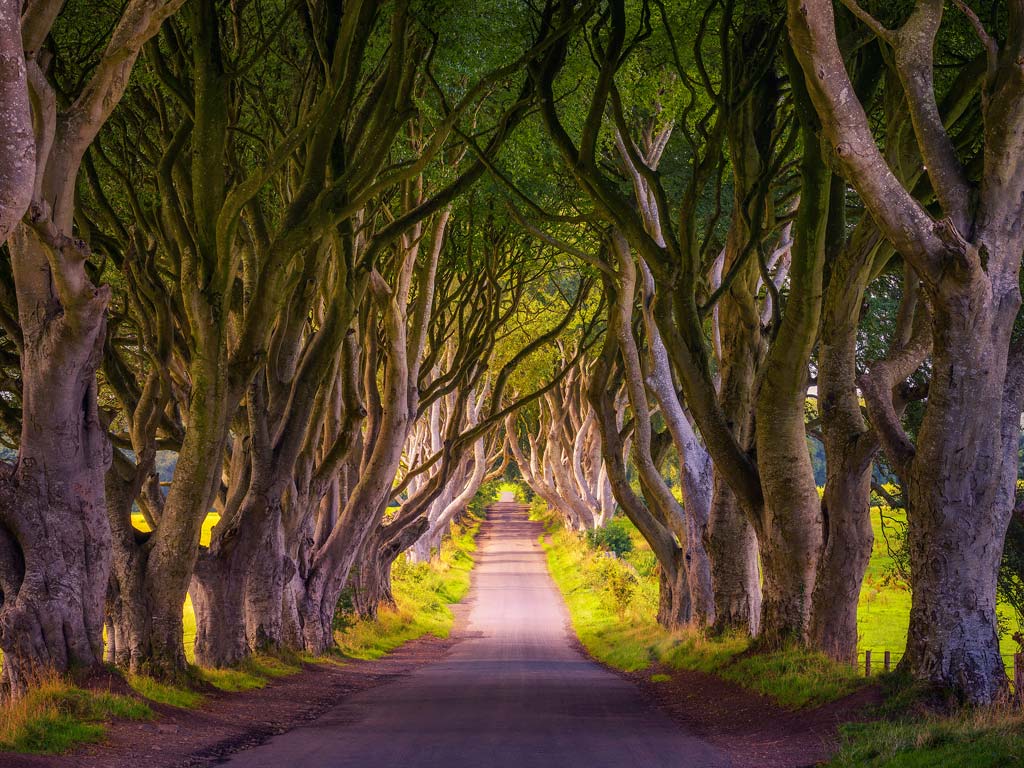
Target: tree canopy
{"points": [[346, 263]]}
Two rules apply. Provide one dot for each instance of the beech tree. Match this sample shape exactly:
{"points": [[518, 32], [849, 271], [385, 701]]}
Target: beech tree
{"points": [[789, 524], [343, 264], [483, 300], [561, 462], [316, 205], [54, 536], [961, 471]]}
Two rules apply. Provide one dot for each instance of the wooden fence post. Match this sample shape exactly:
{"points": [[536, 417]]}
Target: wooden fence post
{"points": [[867, 663], [1018, 677], [887, 662]]}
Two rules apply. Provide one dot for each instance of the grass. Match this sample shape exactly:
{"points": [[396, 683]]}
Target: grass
{"points": [[55, 716], [622, 630], [989, 739], [629, 638], [253, 673], [423, 593], [164, 693]]}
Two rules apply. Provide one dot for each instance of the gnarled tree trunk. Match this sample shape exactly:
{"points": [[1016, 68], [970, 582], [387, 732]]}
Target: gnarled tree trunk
{"points": [[54, 534]]}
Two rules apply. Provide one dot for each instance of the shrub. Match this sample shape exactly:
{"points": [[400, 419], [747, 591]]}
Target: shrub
{"points": [[618, 580], [613, 538], [539, 510]]}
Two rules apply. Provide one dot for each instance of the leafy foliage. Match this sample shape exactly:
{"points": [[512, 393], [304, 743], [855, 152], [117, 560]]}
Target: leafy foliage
{"points": [[614, 537]]}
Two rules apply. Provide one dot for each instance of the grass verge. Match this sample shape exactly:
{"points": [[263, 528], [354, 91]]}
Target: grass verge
{"points": [[253, 673], [423, 593], [613, 604], [56, 716], [978, 739]]}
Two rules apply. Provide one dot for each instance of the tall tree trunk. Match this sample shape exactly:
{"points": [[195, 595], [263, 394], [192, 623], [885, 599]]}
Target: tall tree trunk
{"points": [[958, 506], [128, 616], [238, 587], [732, 548], [54, 533], [791, 531], [371, 583], [172, 558], [674, 599], [849, 449], [696, 469]]}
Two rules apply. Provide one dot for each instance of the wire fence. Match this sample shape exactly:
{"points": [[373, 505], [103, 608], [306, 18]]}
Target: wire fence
{"points": [[872, 662]]}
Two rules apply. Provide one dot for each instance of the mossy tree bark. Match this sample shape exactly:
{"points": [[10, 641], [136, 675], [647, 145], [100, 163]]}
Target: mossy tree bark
{"points": [[961, 470], [53, 527]]}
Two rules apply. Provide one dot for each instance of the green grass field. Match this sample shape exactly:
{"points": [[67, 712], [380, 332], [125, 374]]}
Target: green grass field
{"points": [[884, 610], [991, 739]]}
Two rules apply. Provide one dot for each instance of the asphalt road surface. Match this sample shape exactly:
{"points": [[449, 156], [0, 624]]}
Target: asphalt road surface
{"points": [[514, 693]]}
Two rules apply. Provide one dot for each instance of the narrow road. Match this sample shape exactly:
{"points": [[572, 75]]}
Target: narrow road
{"points": [[514, 693]]}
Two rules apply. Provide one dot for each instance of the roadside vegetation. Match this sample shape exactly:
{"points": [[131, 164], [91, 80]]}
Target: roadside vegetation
{"points": [[57, 716], [423, 595], [991, 738], [609, 582], [54, 716], [613, 602]]}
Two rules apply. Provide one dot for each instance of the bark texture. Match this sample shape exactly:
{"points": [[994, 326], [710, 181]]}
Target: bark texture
{"points": [[969, 264]]}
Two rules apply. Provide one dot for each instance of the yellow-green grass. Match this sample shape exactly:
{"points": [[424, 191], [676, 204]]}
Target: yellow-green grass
{"points": [[54, 716], [883, 613], [625, 634], [423, 593], [253, 673], [164, 693], [978, 739]]}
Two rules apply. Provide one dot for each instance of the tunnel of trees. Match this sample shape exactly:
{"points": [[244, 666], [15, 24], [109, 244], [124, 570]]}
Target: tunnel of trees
{"points": [[317, 271]]}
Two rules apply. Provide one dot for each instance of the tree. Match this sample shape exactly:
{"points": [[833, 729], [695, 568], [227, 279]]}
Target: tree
{"points": [[54, 536], [782, 507], [961, 471]]}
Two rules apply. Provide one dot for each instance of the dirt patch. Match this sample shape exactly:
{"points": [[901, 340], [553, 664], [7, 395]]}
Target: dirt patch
{"points": [[754, 730], [230, 722]]}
